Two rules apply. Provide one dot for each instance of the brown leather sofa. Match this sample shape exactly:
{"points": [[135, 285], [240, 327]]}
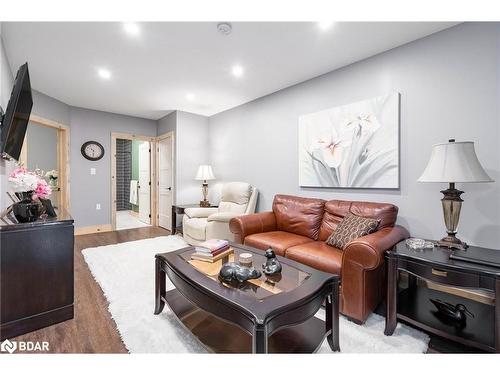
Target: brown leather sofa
{"points": [[297, 228]]}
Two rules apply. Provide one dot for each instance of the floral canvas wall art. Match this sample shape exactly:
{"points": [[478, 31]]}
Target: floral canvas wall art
{"points": [[351, 146]]}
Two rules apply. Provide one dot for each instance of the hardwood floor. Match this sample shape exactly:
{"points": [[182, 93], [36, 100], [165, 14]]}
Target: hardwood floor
{"points": [[92, 330]]}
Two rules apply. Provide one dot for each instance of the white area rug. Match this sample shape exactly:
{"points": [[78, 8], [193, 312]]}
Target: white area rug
{"points": [[125, 273], [126, 220]]}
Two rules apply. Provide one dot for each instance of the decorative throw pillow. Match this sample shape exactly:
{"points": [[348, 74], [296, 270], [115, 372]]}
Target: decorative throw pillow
{"points": [[350, 228]]}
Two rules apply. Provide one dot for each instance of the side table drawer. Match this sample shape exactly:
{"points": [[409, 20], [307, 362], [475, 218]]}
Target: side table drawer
{"points": [[444, 276]]}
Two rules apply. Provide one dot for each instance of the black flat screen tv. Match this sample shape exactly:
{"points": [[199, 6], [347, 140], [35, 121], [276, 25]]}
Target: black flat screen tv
{"points": [[17, 115]]}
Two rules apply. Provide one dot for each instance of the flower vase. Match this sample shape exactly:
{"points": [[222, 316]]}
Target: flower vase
{"points": [[25, 210]]}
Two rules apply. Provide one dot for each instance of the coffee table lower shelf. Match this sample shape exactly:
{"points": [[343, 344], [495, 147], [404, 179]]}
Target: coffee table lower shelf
{"points": [[219, 336]]}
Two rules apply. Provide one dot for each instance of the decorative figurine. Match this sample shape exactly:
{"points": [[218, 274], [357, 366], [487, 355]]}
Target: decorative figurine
{"points": [[456, 312], [232, 272], [272, 265]]}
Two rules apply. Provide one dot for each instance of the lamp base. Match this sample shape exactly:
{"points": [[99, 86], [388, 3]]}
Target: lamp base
{"points": [[205, 203], [452, 242], [452, 205], [204, 190]]}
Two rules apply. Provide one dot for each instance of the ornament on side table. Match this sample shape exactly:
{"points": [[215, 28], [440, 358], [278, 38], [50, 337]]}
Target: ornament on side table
{"points": [[456, 312], [235, 273]]}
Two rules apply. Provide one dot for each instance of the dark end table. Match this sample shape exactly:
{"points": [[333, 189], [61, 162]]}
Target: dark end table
{"points": [[411, 303], [272, 314], [178, 209]]}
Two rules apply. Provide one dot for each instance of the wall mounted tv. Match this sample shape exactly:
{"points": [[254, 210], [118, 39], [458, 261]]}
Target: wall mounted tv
{"points": [[17, 115]]}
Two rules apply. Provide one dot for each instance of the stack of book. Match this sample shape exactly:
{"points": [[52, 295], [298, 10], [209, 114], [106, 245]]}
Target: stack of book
{"points": [[212, 250]]}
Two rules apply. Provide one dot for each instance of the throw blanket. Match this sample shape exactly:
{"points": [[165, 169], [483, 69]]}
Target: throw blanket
{"points": [[133, 192]]}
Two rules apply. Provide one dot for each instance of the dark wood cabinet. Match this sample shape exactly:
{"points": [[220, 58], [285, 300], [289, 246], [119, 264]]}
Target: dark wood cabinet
{"points": [[36, 274]]}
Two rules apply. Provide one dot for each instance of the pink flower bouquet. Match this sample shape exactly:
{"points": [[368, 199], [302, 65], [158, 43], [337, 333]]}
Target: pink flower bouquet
{"points": [[24, 181]]}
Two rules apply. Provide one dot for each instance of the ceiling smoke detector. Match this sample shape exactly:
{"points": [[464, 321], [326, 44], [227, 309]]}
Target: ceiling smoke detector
{"points": [[224, 28]]}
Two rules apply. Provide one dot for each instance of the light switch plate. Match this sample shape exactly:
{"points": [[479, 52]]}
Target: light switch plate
{"points": [[92, 171], [97, 206]]}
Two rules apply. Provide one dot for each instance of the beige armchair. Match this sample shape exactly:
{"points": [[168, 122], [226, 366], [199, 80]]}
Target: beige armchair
{"points": [[203, 223]]}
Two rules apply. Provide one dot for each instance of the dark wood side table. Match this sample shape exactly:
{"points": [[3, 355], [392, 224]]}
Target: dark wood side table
{"points": [[178, 209], [411, 303]]}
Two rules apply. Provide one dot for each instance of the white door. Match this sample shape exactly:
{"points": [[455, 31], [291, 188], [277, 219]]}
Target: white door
{"points": [[144, 183], [165, 178]]}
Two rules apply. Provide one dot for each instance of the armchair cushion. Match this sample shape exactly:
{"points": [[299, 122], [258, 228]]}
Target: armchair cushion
{"points": [[224, 217], [195, 228], [236, 192], [200, 212]]}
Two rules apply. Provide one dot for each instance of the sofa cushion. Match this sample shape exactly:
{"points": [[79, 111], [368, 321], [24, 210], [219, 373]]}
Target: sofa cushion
{"points": [[298, 215], [350, 228], [278, 240], [334, 213], [195, 228], [335, 210], [318, 255]]}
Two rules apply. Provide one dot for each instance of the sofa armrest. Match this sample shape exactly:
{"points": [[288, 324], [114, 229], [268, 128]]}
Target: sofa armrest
{"points": [[200, 211], [368, 251], [223, 217], [246, 225]]}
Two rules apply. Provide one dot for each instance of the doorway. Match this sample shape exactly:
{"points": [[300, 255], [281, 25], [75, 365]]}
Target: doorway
{"points": [[131, 181], [165, 164], [46, 149]]}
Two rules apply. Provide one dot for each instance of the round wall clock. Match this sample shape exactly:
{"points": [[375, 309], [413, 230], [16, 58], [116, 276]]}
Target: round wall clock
{"points": [[92, 150]]}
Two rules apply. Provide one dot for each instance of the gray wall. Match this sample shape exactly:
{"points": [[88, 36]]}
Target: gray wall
{"points": [[168, 123], [88, 190], [6, 81], [192, 150], [42, 147], [449, 88], [6, 77], [49, 108]]}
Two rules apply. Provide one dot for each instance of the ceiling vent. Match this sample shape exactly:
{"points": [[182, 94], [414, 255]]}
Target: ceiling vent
{"points": [[224, 28]]}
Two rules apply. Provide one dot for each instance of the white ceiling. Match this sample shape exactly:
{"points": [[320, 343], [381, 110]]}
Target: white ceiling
{"points": [[153, 72]]}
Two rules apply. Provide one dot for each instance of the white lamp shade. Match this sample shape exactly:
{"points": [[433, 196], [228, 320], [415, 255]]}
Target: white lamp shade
{"points": [[454, 162], [205, 173]]}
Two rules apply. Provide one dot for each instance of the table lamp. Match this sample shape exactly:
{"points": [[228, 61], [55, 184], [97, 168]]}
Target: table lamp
{"points": [[204, 174], [453, 162]]}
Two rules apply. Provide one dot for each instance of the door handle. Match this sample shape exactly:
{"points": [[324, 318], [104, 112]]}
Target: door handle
{"points": [[439, 273], [169, 188]]}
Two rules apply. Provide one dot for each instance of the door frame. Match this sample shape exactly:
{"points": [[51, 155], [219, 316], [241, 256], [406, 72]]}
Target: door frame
{"points": [[161, 137], [63, 152], [153, 167]]}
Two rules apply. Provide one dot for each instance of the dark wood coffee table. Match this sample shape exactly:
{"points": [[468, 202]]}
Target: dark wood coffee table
{"points": [[270, 314]]}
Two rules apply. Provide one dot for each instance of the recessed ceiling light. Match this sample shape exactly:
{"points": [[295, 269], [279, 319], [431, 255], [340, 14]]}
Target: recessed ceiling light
{"points": [[325, 25], [237, 70], [190, 96], [131, 28], [104, 73]]}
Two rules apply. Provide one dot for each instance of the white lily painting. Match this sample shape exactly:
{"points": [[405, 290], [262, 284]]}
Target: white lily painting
{"points": [[351, 146]]}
